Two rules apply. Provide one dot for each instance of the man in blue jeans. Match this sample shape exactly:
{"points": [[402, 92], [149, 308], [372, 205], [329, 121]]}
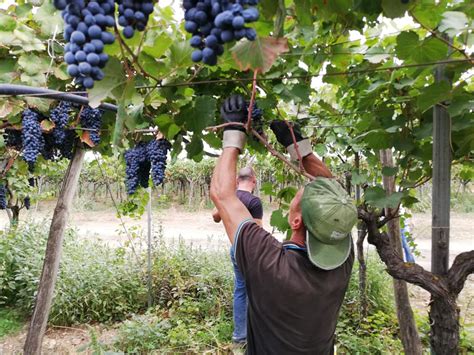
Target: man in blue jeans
{"points": [[246, 182]]}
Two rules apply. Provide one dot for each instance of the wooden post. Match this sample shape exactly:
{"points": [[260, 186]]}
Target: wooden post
{"points": [[441, 186], [49, 274], [408, 331], [149, 222], [444, 316]]}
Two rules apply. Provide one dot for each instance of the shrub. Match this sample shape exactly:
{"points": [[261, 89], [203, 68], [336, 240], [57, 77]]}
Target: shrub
{"points": [[95, 282]]}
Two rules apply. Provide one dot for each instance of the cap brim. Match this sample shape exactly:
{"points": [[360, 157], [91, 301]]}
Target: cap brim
{"points": [[328, 256]]}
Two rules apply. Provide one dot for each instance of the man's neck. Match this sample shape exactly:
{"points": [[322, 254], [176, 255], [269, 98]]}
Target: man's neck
{"points": [[245, 187], [299, 237]]}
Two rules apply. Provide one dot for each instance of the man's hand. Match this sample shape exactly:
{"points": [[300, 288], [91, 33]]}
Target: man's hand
{"points": [[234, 110], [284, 137], [312, 164]]}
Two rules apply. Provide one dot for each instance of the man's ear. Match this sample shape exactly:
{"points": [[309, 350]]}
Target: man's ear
{"points": [[296, 222]]}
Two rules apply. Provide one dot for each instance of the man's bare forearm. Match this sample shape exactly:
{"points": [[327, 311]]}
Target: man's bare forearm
{"points": [[230, 208], [314, 166]]}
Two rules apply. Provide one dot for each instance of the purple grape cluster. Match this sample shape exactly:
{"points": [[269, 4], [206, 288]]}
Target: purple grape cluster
{"points": [[157, 152], [60, 117], [133, 15], [215, 22], [67, 147], [86, 32], [3, 197], [32, 137], [135, 168], [12, 139], [143, 157], [91, 118]]}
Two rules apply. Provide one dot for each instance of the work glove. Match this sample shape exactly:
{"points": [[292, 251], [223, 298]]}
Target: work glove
{"points": [[234, 109], [283, 135]]}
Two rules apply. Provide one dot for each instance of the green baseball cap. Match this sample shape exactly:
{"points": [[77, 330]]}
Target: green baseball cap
{"points": [[328, 215]]}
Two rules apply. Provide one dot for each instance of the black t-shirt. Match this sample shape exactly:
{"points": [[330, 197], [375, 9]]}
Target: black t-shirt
{"points": [[252, 202], [293, 305]]}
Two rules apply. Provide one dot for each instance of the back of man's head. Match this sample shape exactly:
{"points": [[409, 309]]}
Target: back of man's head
{"points": [[246, 174]]}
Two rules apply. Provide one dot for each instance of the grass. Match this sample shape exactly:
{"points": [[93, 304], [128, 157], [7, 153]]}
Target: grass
{"points": [[11, 321]]}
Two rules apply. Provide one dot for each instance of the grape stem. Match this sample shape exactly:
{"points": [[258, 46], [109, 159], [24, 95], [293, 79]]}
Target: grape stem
{"points": [[252, 101], [227, 124], [300, 159]]}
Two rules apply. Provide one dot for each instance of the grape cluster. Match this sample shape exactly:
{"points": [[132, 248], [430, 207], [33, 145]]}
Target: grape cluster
{"points": [[135, 172], [60, 117], [86, 32], [67, 147], [157, 151], [32, 137], [12, 139], [215, 22], [133, 15], [143, 157], [3, 197], [91, 118]]}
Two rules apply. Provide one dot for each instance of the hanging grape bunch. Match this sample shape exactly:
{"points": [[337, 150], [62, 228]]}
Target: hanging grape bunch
{"points": [[215, 22], [143, 157], [86, 32], [133, 15], [3, 197], [135, 174], [60, 117], [32, 137], [257, 114], [157, 152], [12, 138], [91, 118]]}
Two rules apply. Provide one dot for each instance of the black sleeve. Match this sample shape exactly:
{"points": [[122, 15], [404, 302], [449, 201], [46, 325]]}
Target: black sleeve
{"points": [[255, 248], [255, 208]]}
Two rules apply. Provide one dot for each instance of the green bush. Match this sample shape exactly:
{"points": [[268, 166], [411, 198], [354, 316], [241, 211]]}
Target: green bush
{"points": [[95, 283], [193, 296], [377, 333]]}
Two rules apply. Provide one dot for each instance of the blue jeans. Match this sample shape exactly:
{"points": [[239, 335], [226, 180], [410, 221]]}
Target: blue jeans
{"points": [[240, 303]]}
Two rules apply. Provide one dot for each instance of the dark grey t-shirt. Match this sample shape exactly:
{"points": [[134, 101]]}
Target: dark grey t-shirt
{"points": [[252, 202], [293, 305]]}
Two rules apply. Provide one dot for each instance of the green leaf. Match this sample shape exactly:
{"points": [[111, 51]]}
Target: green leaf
{"points": [[259, 54], [389, 171], [427, 14], [180, 55], [287, 194], [359, 178], [202, 114], [7, 70], [394, 8], [434, 94], [461, 103], [453, 23], [114, 77], [119, 124], [279, 220], [167, 126], [409, 47], [376, 197], [195, 148], [158, 46], [7, 23], [303, 12], [49, 18]]}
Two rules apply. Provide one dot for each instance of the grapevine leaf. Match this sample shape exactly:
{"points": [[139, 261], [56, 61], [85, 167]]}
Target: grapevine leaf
{"points": [[49, 18], [114, 77], [394, 8], [86, 138], [279, 221], [434, 94], [119, 124], [202, 114], [389, 171], [158, 46], [409, 47], [7, 23], [47, 125], [167, 126], [427, 14], [5, 109], [453, 22], [303, 12], [259, 54], [195, 148], [376, 196]]}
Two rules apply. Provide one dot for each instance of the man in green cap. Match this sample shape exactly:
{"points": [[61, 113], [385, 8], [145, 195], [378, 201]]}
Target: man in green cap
{"points": [[296, 288]]}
